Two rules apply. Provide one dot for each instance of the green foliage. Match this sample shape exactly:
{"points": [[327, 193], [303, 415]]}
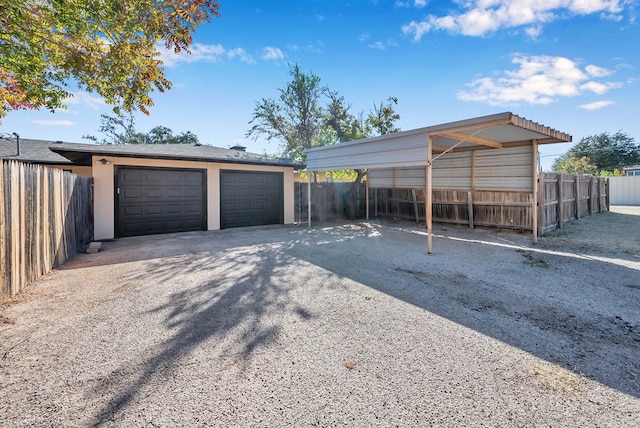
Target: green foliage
{"points": [[307, 114], [382, 119], [599, 155], [340, 175], [615, 173], [295, 118], [106, 46], [572, 165], [120, 129]]}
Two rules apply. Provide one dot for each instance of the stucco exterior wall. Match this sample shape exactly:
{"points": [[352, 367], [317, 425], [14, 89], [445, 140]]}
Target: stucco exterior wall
{"points": [[82, 171], [104, 188]]}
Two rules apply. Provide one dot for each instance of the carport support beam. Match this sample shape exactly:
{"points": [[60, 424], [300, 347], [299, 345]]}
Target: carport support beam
{"points": [[309, 197], [429, 196], [534, 203], [367, 194]]}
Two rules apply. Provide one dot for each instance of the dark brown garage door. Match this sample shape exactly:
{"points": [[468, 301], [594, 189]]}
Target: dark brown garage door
{"points": [[160, 200], [251, 198]]}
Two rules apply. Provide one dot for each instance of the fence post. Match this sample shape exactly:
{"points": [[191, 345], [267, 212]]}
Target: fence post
{"points": [[600, 181], [560, 204], [577, 194], [3, 225], [375, 201], [470, 208], [590, 195], [542, 197]]}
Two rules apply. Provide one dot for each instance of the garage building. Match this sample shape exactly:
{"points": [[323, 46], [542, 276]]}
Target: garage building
{"points": [[151, 189]]}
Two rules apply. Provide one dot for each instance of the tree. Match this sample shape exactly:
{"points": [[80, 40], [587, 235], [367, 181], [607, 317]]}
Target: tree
{"points": [[295, 118], [382, 119], [117, 129], [106, 46], [307, 114], [120, 129], [574, 165], [599, 154]]}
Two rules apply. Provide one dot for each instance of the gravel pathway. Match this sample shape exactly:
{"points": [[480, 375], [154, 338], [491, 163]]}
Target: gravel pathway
{"points": [[335, 325]]}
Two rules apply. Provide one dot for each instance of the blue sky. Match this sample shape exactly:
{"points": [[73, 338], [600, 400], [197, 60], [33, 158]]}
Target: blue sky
{"points": [[573, 65]]}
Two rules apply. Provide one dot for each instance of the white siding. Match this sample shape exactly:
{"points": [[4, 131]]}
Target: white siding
{"points": [[504, 169], [393, 151], [452, 171], [499, 169], [624, 190]]}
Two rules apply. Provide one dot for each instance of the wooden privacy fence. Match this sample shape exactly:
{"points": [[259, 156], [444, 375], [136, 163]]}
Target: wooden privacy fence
{"points": [[329, 201], [569, 197], [561, 199], [46, 216]]}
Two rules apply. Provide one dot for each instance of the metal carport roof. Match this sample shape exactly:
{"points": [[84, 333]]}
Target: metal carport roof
{"points": [[421, 147]]}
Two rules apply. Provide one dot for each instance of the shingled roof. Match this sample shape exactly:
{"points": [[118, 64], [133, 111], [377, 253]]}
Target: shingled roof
{"points": [[81, 154], [31, 151]]}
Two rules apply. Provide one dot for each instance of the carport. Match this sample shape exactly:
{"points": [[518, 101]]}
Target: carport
{"points": [[497, 152]]}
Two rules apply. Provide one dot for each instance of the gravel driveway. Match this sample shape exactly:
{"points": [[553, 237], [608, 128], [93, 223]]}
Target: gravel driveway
{"points": [[335, 325]]}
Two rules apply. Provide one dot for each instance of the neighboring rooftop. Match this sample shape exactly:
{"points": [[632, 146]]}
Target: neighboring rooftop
{"points": [[81, 154], [32, 151]]}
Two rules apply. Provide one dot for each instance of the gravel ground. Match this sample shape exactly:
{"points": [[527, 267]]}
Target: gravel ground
{"points": [[335, 325]]}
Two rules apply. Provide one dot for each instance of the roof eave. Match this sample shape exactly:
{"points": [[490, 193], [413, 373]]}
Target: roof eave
{"points": [[85, 158]]}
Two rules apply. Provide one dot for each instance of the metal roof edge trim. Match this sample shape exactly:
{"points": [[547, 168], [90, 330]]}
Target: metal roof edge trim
{"points": [[426, 130]]}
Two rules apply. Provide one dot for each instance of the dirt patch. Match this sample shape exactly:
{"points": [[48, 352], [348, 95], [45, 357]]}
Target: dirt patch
{"points": [[614, 233]]}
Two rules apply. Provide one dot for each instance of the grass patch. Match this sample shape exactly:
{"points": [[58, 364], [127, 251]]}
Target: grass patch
{"points": [[557, 378]]}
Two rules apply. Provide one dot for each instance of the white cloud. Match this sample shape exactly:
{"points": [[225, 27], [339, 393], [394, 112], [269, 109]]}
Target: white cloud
{"points": [[481, 17], [272, 53], [596, 105], [416, 3], [533, 32], [377, 45], [53, 122], [202, 53], [537, 80], [363, 37], [382, 45], [241, 55], [596, 71], [94, 102], [199, 53]]}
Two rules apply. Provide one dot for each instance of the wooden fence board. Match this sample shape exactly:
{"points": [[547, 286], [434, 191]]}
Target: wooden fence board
{"points": [[46, 216], [561, 198]]}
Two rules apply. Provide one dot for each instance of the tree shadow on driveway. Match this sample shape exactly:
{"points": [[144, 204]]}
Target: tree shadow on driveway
{"points": [[214, 293], [231, 293], [579, 312]]}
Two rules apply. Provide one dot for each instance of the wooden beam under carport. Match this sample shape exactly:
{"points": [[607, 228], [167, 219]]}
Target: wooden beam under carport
{"points": [[461, 136]]}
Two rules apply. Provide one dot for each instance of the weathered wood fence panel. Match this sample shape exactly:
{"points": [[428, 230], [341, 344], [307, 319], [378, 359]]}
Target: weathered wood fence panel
{"points": [[329, 201], [46, 216], [561, 198], [570, 197]]}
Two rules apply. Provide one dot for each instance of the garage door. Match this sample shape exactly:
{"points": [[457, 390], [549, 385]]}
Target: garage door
{"points": [[251, 198], [160, 200]]}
